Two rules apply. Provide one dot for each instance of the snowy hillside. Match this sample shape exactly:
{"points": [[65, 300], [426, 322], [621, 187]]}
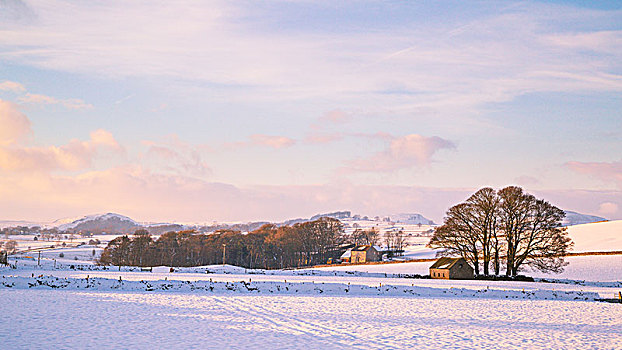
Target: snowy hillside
{"points": [[574, 218], [14, 223], [109, 222], [597, 237], [411, 219]]}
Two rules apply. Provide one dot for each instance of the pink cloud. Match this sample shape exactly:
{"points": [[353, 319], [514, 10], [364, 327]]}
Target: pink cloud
{"points": [[15, 155], [14, 124], [527, 180], [321, 138], [75, 155], [608, 171], [608, 208], [336, 116], [272, 141], [72, 103], [403, 152], [175, 156], [12, 86]]}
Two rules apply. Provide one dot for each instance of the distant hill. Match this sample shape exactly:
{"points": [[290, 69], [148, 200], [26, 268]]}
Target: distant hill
{"points": [[15, 223], [340, 215], [574, 218], [101, 223], [112, 223], [411, 219]]}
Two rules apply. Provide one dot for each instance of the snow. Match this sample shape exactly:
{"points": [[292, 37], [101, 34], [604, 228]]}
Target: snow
{"points": [[103, 217], [79, 319], [595, 268], [68, 303], [574, 218], [597, 237], [411, 219]]}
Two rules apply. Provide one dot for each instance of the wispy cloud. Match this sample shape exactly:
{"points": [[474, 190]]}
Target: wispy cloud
{"points": [[454, 66], [607, 171], [121, 100], [336, 116], [8, 85], [321, 137], [609, 208], [272, 141], [26, 97], [403, 152], [262, 140], [174, 156], [527, 180], [38, 99]]}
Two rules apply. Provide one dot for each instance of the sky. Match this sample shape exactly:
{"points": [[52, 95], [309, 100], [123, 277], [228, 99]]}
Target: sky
{"points": [[268, 110]]}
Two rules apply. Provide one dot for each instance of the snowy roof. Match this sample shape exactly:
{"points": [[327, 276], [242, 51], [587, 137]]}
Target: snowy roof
{"points": [[445, 263], [362, 248]]}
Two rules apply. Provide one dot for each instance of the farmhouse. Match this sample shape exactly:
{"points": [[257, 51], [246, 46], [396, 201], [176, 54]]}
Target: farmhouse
{"points": [[451, 268], [345, 257], [364, 253]]}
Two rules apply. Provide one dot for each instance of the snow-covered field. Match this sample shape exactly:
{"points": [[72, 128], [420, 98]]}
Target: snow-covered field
{"points": [[339, 307], [43, 319], [69, 303], [597, 236]]}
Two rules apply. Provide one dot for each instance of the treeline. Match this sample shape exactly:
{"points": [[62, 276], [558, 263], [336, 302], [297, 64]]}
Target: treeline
{"points": [[506, 229], [267, 247]]}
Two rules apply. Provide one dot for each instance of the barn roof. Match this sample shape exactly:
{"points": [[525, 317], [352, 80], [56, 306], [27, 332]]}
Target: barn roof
{"points": [[346, 254], [445, 263], [362, 248]]}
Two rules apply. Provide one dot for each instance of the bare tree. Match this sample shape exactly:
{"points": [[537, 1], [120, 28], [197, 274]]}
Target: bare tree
{"points": [[485, 206], [357, 237], [10, 246], [457, 235], [544, 243], [509, 225], [399, 241], [371, 236], [514, 214], [389, 240]]}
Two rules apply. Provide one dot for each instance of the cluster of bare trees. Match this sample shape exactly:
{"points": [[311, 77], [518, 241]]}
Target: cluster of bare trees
{"points": [[395, 241], [8, 247], [506, 229], [365, 237], [269, 246]]}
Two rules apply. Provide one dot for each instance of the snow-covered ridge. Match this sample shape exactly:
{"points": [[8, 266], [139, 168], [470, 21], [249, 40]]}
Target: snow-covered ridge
{"points": [[96, 217], [412, 219], [574, 218]]}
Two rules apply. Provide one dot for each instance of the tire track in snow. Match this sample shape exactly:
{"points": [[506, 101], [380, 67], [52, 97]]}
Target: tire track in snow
{"points": [[296, 325]]}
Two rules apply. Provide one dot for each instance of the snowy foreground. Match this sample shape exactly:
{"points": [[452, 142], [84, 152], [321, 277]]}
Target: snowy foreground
{"points": [[215, 307], [43, 319]]}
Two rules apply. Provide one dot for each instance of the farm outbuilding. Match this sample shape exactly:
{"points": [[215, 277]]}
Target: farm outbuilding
{"points": [[364, 253], [451, 268]]}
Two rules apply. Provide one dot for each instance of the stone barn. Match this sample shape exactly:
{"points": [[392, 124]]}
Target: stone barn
{"points": [[364, 253], [451, 268]]}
